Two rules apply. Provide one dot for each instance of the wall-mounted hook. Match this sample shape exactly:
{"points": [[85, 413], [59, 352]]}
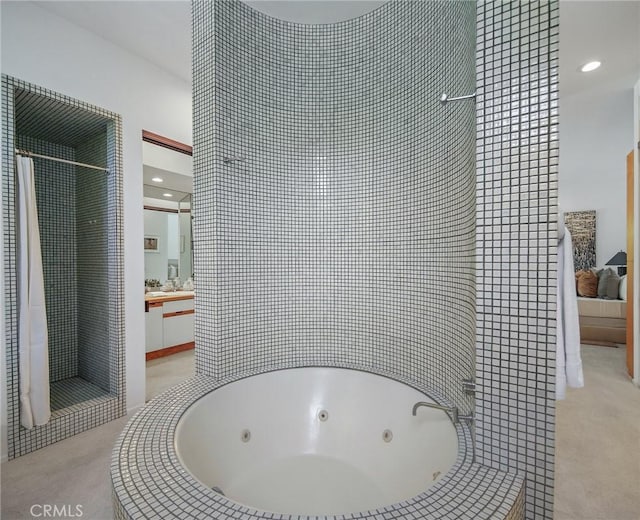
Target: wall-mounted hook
{"points": [[468, 386], [228, 159], [444, 99]]}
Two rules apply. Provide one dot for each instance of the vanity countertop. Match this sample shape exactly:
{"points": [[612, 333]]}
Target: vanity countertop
{"points": [[161, 297]]}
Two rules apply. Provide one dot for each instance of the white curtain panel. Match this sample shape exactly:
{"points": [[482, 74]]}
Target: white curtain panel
{"points": [[568, 358], [33, 337]]}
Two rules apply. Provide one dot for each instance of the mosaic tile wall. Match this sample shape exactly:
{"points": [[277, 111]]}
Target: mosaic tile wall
{"points": [[344, 234], [56, 201], [78, 405], [517, 168], [93, 263]]}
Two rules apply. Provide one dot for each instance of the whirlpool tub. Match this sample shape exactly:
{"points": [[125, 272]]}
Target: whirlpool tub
{"points": [[303, 442]]}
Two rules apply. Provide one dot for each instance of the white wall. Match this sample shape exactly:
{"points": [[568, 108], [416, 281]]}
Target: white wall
{"points": [[636, 235], [165, 159], [596, 134], [160, 203], [44, 49]]}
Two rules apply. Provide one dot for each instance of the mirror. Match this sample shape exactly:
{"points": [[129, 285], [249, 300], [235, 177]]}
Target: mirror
{"points": [[167, 242], [168, 254]]}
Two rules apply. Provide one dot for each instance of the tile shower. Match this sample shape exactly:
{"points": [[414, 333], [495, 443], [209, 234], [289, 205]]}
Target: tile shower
{"points": [[341, 220], [346, 234], [361, 235], [79, 212]]}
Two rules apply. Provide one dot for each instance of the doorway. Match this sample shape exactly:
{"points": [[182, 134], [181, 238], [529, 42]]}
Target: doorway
{"points": [[168, 263]]}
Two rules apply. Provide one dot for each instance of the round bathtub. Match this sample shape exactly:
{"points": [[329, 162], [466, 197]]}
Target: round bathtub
{"points": [[300, 443], [316, 441]]}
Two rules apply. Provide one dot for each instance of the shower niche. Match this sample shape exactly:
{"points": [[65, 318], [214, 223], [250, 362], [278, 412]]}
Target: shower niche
{"points": [[75, 149]]}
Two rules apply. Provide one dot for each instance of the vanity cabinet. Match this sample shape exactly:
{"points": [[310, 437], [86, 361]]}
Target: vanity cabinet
{"points": [[168, 324], [177, 322], [153, 326]]}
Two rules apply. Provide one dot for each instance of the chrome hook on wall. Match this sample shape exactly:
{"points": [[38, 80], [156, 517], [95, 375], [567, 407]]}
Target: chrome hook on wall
{"points": [[228, 159], [444, 99]]}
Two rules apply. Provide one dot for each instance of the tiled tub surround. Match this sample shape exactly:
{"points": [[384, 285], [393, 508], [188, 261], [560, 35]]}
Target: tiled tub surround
{"points": [[346, 233], [81, 214], [150, 482]]}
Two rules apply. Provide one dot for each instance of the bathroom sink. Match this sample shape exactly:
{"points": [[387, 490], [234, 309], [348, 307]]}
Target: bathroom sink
{"points": [[169, 293]]}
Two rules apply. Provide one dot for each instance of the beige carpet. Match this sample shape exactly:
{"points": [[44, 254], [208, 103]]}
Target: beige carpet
{"points": [[165, 372], [598, 442], [73, 472]]}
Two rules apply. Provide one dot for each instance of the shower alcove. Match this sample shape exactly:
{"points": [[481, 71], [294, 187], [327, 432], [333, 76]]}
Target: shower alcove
{"points": [[79, 215]]}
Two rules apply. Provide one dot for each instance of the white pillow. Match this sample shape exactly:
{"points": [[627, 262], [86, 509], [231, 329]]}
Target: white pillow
{"points": [[622, 290]]}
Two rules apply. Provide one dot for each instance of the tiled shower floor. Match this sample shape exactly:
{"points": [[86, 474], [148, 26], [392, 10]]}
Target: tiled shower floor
{"points": [[72, 391]]}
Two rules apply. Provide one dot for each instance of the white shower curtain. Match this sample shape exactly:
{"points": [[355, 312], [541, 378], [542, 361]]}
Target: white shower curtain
{"points": [[33, 336]]}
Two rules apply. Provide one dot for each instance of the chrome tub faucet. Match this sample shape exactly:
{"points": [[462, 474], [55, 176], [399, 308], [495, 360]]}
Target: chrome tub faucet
{"points": [[452, 410]]}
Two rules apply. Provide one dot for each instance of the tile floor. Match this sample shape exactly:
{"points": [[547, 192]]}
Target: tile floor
{"points": [[597, 464]]}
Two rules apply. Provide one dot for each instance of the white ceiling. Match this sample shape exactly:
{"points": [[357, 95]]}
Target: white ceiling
{"points": [[160, 32], [174, 168], [315, 11], [606, 31], [175, 183]]}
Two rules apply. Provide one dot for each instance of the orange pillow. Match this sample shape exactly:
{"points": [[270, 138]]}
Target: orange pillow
{"points": [[578, 275], [587, 284]]}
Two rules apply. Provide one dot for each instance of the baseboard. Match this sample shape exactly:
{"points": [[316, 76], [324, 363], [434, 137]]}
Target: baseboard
{"points": [[598, 343], [163, 352], [602, 335]]}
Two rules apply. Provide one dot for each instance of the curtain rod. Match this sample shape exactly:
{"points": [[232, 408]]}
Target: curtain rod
{"points": [[31, 154]]}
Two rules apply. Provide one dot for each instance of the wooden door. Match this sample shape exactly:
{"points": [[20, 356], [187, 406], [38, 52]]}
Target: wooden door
{"points": [[630, 262]]}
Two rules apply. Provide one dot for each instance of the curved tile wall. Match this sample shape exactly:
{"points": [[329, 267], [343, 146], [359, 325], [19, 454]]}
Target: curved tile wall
{"points": [[334, 194]]}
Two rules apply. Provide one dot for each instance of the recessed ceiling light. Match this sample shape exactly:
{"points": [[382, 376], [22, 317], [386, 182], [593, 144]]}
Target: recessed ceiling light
{"points": [[156, 179], [167, 195], [588, 67]]}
